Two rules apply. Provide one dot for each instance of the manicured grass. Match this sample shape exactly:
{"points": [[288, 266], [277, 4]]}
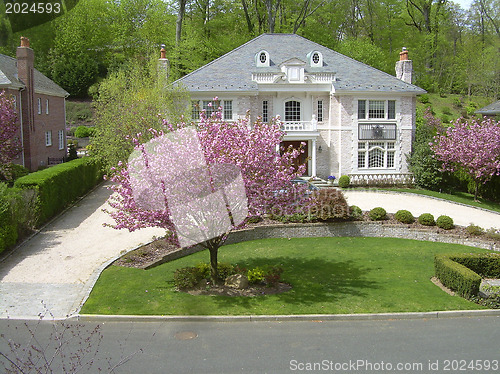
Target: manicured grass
{"points": [[458, 197], [328, 275]]}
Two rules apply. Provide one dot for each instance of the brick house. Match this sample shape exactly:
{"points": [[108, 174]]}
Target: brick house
{"points": [[40, 105], [353, 118]]}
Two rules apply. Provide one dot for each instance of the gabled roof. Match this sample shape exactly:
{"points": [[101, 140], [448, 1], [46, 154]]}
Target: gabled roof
{"points": [[42, 84], [233, 71], [490, 110]]}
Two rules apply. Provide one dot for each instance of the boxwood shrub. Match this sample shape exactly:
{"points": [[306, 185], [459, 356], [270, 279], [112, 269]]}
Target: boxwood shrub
{"points": [[59, 185], [426, 219], [445, 222], [404, 216], [377, 214], [344, 181], [463, 272]]}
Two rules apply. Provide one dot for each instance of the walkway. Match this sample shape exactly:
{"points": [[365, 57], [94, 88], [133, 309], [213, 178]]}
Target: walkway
{"points": [[60, 265]]}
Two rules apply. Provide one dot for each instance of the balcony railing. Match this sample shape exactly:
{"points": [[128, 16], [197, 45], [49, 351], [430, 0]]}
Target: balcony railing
{"points": [[382, 179], [291, 126]]}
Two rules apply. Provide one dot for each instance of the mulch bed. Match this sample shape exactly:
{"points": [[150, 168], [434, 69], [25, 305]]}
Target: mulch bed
{"points": [[150, 253], [250, 291]]}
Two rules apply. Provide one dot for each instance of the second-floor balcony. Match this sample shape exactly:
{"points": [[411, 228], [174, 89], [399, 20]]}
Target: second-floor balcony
{"points": [[300, 126]]}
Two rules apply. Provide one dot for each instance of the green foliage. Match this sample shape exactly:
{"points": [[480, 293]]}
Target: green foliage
{"points": [[294, 218], [273, 276], [487, 265], [58, 186], [133, 100], [471, 108], [84, 131], [256, 275], [8, 230], [367, 52], [75, 72], [377, 214], [426, 219], [474, 230], [187, 277], [72, 153], [329, 204], [356, 212], [13, 172], [344, 181], [456, 276], [424, 99], [78, 111], [404, 216], [493, 233], [445, 222], [446, 110]]}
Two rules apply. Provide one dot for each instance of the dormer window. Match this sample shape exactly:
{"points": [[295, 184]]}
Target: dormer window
{"points": [[315, 59], [262, 59]]}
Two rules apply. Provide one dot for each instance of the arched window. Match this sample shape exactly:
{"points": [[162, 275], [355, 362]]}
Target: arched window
{"points": [[292, 111], [315, 59], [262, 59]]}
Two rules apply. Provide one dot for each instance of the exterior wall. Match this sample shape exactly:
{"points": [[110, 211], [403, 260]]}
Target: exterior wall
{"points": [[54, 122], [347, 133]]}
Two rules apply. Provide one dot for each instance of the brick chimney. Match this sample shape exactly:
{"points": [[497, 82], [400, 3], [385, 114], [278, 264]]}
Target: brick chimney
{"points": [[404, 67], [163, 61], [25, 72]]}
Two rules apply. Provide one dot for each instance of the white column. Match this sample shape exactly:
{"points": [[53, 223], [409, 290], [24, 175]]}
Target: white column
{"points": [[313, 158]]}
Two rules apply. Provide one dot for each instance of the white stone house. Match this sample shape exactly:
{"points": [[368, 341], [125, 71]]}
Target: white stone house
{"points": [[354, 119]]}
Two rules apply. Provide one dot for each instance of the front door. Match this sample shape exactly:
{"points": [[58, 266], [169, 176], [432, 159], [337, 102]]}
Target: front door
{"points": [[302, 157]]}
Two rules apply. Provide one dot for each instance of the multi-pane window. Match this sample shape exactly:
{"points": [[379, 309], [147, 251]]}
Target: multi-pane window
{"points": [[60, 135], [39, 106], [48, 138], [47, 106], [376, 155], [320, 110], [292, 111], [376, 109], [265, 111], [228, 109], [210, 106], [195, 110]]}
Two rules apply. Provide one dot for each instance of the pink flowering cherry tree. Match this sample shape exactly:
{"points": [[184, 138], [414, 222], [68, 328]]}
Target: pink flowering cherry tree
{"points": [[473, 147], [199, 184], [10, 145]]}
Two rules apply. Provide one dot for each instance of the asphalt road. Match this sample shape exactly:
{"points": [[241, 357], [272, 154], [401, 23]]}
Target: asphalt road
{"points": [[448, 345]]}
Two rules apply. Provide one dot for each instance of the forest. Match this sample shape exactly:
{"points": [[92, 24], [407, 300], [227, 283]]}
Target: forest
{"points": [[453, 50]]}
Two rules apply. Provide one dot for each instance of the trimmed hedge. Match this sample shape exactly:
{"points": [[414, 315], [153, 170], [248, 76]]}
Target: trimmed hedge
{"points": [[461, 272], [59, 185], [404, 216], [445, 222], [377, 214]]}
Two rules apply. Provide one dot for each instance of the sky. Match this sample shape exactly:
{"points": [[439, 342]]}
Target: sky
{"points": [[465, 4]]}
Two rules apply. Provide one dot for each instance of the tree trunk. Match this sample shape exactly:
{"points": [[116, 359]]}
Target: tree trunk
{"points": [[180, 19], [247, 17], [214, 269]]}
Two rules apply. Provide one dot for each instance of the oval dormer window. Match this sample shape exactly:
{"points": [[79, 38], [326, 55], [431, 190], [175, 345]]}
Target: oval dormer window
{"points": [[262, 57], [316, 58]]}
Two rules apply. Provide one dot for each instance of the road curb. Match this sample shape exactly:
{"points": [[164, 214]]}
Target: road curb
{"points": [[287, 318]]}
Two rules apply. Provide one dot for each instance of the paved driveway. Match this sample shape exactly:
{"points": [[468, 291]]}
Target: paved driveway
{"points": [[60, 264]]}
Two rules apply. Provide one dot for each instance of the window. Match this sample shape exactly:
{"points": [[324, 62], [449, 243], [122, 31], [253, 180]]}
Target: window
{"points": [[48, 138], [47, 106], [320, 110], [14, 101], [391, 109], [362, 109], [292, 111], [294, 74], [376, 155], [39, 106], [315, 57], [265, 111], [195, 110], [371, 131], [210, 106], [228, 109], [376, 109], [60, 135], [262, 58]]}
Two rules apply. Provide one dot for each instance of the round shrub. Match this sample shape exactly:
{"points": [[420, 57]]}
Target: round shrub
{"points": [[474, 230], [377, 214], [344, 181], [256, 275], [426, 219], [84, 131], [445, 222], [328, 204], [404, 216], [356, 212]]}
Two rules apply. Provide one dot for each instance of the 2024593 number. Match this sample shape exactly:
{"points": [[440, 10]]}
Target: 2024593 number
{"points": [[35, 8]]}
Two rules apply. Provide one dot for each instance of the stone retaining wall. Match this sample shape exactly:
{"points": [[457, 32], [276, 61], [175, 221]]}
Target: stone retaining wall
{"points": [[337, 229]]}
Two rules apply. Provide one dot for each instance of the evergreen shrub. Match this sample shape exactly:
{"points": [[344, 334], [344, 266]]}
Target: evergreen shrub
{"points": [[404, 216], [445, 222], [356, 212], [426, 219], [377, 214], [344, 181]]}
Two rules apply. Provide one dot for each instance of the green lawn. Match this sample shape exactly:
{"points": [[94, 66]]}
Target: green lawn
{"points": [[328, 275], [457, 197]]}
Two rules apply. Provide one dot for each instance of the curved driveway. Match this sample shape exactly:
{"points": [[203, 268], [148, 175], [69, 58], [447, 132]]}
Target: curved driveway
{"points": [[60, 264]]}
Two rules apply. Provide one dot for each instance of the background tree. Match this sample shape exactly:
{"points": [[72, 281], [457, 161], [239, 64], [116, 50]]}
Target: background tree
{"points": [[131, 101], [10, 144], [472, 147]]}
